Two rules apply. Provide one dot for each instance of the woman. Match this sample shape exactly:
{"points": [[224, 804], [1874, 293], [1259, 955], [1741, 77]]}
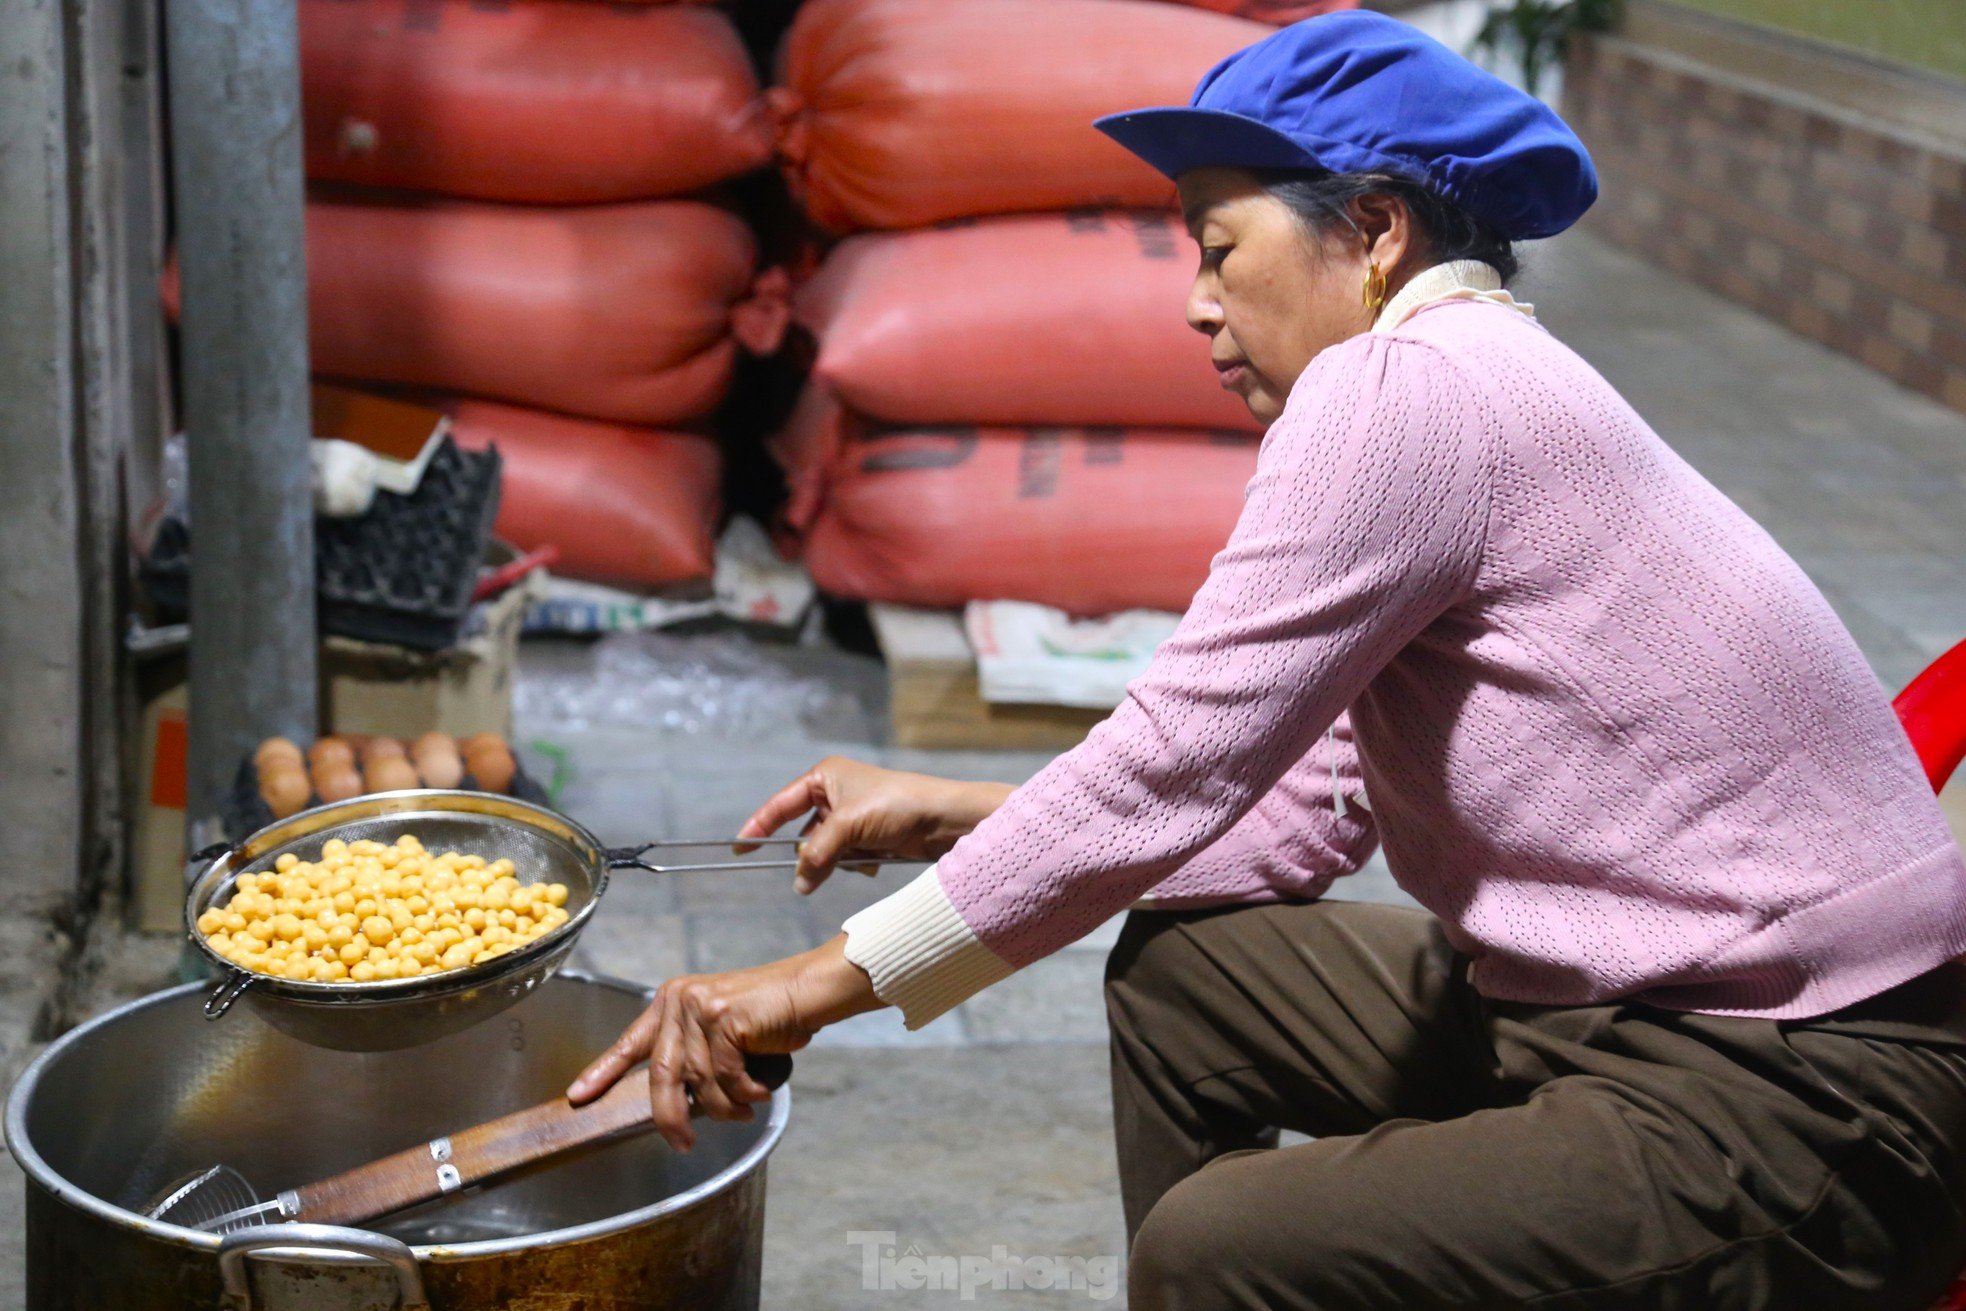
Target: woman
{"points": [[1679, 1030]]}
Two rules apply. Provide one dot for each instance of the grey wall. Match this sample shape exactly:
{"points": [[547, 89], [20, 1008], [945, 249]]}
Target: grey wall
{"points": [[78, 387]]}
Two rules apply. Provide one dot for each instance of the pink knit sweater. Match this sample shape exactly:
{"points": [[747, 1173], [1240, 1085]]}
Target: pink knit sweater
{"points": [[1609, 732]]}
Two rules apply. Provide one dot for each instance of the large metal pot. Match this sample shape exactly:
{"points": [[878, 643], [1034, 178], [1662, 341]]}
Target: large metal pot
{"points": [[124, 1104]]}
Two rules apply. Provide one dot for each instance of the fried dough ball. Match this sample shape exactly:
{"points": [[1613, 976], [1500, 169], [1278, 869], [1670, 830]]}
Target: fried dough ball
{"points": [[365, 911]]}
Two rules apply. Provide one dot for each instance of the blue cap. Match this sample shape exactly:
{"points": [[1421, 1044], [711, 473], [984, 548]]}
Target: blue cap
{"points": [[1357, 92]]}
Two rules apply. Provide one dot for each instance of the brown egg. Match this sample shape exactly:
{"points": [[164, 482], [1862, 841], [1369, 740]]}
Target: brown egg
{"points": [[381, 748], [388, 774], [491, 764], [275, 748], [338, 784], [477, 742], [437, 760], [284, 788], [432, 741], [329, 753]]}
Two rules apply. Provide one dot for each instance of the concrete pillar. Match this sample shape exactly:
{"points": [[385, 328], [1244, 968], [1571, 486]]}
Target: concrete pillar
{"points": [[236, 160]]}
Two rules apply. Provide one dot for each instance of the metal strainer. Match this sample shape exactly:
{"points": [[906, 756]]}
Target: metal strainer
{"points": [[384, 1015], [217, 1199]]}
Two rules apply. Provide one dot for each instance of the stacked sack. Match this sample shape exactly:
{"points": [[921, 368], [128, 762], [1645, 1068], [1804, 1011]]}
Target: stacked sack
{"points": [[1005, 400], [1013, 408], [504, 224]]}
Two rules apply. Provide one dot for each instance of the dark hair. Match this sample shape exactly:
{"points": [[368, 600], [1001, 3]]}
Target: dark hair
{"points": [[1320, 200]]}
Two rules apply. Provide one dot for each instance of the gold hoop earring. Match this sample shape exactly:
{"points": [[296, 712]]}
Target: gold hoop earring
{"points": [[1375, 288]]}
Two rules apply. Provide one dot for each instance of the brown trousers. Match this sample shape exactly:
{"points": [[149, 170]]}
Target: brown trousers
{"points": [[1472, 1153]]}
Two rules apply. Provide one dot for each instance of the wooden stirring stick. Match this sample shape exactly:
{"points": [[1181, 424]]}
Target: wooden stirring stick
{"points": [[471, 1156]]}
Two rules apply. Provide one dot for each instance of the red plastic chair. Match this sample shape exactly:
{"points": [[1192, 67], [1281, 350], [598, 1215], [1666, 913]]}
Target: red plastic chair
{"points": [[1933, 710]]}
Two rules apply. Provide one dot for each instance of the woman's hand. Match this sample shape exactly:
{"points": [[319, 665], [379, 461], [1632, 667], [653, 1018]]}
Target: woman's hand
{"points": [[696, 1032], [866, 810]]}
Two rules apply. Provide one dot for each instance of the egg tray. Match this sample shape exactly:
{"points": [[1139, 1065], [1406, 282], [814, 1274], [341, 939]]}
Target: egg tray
{"points": [[244, 812], [402, 573]]}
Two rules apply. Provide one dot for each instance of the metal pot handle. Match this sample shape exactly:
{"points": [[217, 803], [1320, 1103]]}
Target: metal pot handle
{"points": [[221, 998], [234, 1248]]}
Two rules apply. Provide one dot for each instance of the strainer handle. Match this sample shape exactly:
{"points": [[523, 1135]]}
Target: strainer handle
{"points": [[302, 1238], [627, 857], [221, 998], [631, 857]]}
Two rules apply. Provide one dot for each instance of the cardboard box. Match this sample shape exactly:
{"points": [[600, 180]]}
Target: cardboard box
{"points": [[398, 692], [156, 843], [936, 702]]}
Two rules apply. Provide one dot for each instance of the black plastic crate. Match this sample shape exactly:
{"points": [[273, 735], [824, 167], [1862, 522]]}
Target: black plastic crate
{"points": [[402, 573]]}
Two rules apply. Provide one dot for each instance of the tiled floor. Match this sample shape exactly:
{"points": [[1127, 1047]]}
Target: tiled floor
{"points": [[997, 1134]]}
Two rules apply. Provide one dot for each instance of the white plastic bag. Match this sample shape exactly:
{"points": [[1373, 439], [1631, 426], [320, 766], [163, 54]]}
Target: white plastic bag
{"points": [[1035, 655]]}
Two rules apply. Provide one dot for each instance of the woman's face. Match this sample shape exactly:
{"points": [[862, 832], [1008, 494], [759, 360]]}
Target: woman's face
{"points": [[1270, 294]]}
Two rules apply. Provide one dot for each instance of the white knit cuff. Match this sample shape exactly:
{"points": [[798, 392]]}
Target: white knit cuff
{"points": [[920, 954]]}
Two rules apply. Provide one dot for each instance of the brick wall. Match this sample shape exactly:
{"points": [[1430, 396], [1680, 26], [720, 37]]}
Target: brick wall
{"points": [[1842, 225]]}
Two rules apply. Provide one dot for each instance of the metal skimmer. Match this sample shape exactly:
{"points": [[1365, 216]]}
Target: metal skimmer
{"points": [[217, 1200]]}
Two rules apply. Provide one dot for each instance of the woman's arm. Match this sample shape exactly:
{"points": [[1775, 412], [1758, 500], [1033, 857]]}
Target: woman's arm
{"points": [[1365, 522], [698, 1028], [857, 807], [695, 1033], [1292, 843], [1306, 832]]}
